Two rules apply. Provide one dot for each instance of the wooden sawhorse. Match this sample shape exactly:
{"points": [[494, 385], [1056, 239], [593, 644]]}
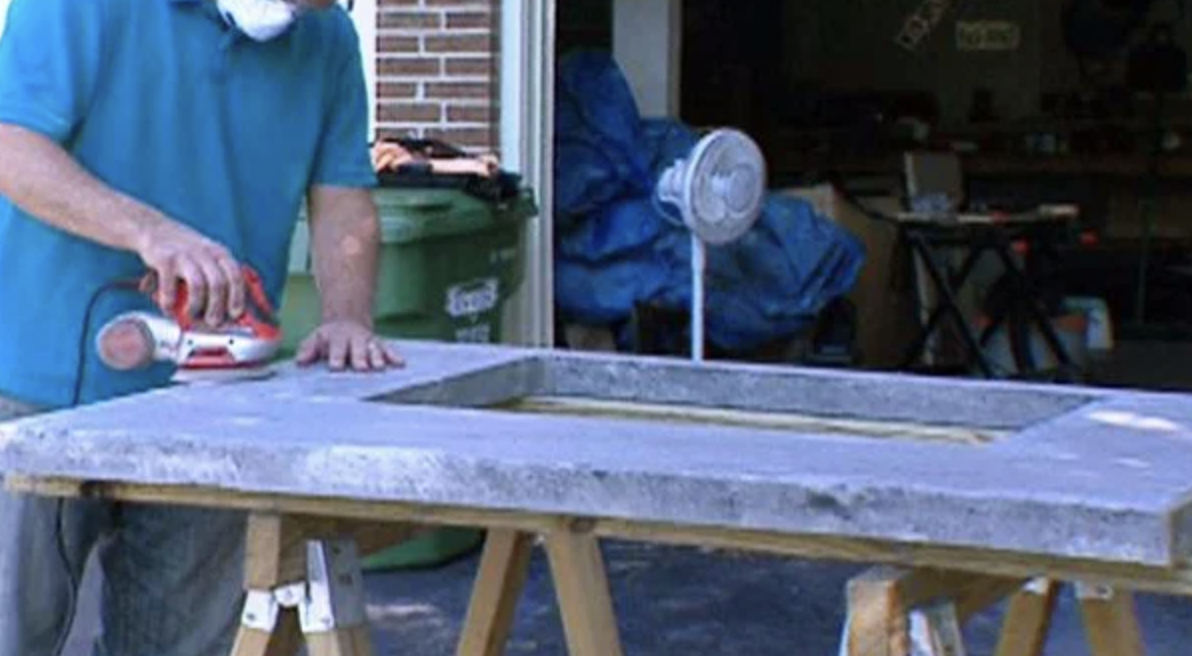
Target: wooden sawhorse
{"points": [[919, 598], [304, 584], [892, 611], [920, 612]]}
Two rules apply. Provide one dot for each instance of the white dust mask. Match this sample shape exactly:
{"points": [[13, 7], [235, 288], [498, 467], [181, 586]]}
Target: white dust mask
{"points": [[260, 20]]}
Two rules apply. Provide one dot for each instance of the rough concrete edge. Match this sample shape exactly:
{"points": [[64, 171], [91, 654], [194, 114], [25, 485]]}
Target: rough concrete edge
{"points": [[893, 397], [1181, 529], [293, 379], [479, 388], [821, 507], [859, 375]]}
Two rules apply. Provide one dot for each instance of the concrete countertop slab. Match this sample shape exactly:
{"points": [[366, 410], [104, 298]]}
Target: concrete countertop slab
{"points": [[1080, 473]]}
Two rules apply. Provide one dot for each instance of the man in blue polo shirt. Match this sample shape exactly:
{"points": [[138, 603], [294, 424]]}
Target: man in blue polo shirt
{"points": [[181, 137]]}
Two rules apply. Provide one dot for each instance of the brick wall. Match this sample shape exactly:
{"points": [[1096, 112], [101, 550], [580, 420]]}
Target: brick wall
{"points": [[437, 70]]}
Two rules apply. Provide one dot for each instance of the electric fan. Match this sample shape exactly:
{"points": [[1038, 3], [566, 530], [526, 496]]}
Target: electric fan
{"points": [[719, 190]]}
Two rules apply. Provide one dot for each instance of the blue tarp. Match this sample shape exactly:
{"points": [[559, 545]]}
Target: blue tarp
{"points": [[617, 246]]}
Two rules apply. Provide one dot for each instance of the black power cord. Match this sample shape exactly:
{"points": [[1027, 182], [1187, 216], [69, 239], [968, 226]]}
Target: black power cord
{"points": [[76, 399]]}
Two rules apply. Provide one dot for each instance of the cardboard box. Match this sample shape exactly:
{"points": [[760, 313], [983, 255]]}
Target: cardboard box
{"points": [[884, 295]]}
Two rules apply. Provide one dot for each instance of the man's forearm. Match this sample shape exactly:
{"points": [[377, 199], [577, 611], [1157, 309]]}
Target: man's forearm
{"points": [[45, 181], [345, 238]]}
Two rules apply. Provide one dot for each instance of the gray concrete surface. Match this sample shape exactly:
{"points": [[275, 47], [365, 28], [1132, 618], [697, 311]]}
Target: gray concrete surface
{"points": [[1040, 490]]}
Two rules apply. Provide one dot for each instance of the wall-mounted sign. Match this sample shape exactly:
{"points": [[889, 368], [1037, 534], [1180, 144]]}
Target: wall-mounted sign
{"points": [[922, 22], [988, 35]]}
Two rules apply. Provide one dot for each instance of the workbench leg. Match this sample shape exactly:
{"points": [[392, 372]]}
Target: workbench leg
{"points": [[876, 623], [585, 601], [341, 642], [930, 631], [1110, 621], [499, 584], [274, 556], [895, 612], [1028, 619], [335, 618], [284, 640], [301, 587], [935, 631]]}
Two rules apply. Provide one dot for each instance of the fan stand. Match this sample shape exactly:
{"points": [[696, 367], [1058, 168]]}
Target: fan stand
{"points": [[729, 167], [699, 259]]}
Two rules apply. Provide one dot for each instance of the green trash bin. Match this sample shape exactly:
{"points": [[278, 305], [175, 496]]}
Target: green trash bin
{"points": [[449, 262]]}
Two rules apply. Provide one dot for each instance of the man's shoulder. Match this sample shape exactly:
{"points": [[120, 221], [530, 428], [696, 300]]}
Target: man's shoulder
{"points": [[335, 30], [63, 12], [337, 19]]}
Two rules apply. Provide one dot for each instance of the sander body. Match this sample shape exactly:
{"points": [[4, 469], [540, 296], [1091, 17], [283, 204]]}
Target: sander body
{"points": [[237, 349]]}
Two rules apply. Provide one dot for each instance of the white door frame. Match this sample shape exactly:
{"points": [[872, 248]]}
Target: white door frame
{"points": [[527, 139], [364, 17]]}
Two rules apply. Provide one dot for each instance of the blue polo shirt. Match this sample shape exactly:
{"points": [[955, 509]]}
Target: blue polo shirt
{"points": [[162, 101]]}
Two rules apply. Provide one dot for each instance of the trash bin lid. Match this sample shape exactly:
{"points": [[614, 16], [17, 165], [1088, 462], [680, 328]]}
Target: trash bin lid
{"points": [[409, 215]]}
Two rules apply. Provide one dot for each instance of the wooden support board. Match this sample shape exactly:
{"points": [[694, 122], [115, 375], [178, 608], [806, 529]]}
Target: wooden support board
{"points": [[1176, 581], [499, 583], [1110, 621], [285, 640], [347, 642], [888, 430], [1028, 620], [935, 630], [581, 586]]}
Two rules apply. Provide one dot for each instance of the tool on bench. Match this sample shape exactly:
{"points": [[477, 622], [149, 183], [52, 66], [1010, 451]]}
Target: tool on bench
{"points": [[432, 164], [431, 156], [238, 349]]}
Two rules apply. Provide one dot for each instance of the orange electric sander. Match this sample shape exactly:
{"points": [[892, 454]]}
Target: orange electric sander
{"points": [[238, 349]]}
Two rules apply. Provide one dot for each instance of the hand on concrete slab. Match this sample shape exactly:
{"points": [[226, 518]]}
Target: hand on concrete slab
{"points": [[348, 345]]}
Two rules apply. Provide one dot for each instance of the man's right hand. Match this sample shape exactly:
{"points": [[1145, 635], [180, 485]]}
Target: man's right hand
{"points": [[213, 278]]}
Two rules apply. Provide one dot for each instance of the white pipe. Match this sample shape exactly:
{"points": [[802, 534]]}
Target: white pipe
{"points": [[544, 327], [364, 17], [515, 74], [698, 260]]}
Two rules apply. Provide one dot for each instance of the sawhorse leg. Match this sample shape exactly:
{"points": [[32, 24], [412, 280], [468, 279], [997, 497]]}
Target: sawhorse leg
{"points": [[581, 586], [1110, 621], [499, 584], [1028, 619], [895, 612], [304, 584]]}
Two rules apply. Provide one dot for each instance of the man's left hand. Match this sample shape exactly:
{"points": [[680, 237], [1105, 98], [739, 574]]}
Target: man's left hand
{"points": [[348, 344]]}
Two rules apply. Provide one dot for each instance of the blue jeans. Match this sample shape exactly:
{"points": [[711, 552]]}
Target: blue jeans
{"points": [[173, 577]]}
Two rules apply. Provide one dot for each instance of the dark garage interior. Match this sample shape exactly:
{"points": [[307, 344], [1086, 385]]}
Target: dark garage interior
{"points": [[1080, 104]]}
